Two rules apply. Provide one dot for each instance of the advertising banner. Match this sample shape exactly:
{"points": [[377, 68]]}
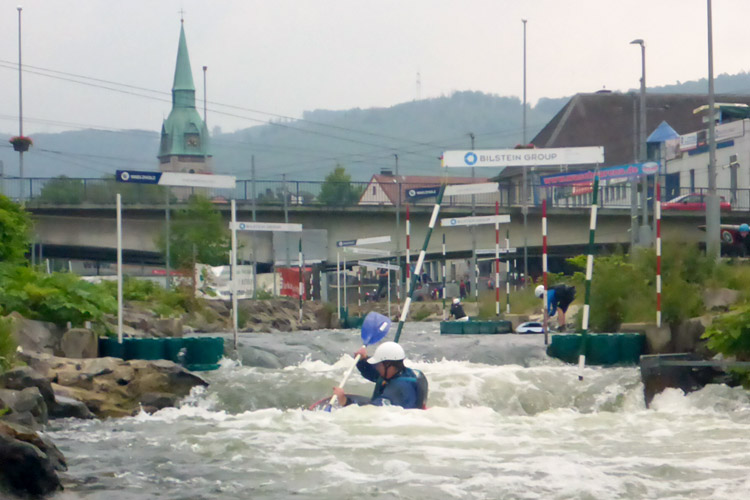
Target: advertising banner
{"points": [[215, 282], [587, 176], [524, 157]]}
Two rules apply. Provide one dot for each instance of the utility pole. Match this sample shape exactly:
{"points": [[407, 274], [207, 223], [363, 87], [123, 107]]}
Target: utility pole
{"points": [[644, 235], [398, 223], [713, 215], [20, 104], [255, 255], [474, 270], [524, 194]]}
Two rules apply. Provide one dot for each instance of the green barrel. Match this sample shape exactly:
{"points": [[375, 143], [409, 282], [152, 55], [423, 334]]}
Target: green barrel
{"points": [[451, 327], [503, 326], [603, 349], [565, 347], [172, 346], [486, 327], [109, 346], [472, 327], [632, 345], [145, 349]]}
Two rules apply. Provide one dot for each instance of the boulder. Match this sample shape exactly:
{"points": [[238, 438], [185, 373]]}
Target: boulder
{"points": [[168, 327], [686, 336], [25, 376], [658, 338], [719, 298], [26, 406], [79, 343], [35, 336], [66, 407], [28, 462], [111, 387]]}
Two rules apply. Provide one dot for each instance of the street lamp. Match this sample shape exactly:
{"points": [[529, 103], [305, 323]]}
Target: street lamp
{"points": [[713, 214], [644, 234], [20, 101]]}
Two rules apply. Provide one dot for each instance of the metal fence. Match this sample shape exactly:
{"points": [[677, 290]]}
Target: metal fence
{"points": [[62, 191]]}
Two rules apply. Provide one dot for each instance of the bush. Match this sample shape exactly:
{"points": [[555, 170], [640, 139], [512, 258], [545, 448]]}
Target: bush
{"points": [[15, 225], [58, 298], [7, 345], [730, 335]]}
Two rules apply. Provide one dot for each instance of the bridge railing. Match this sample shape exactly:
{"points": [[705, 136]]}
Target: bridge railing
{"points": [[63, 191]]}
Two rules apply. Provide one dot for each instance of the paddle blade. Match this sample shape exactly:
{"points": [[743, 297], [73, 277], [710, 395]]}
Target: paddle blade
{"points": [[375, 327]]}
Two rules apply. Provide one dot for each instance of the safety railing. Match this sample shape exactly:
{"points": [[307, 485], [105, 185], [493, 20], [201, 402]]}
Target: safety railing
{"points": [[63, 191]]}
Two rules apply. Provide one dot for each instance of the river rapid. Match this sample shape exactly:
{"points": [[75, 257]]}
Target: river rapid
{"points": [[504, 422]]}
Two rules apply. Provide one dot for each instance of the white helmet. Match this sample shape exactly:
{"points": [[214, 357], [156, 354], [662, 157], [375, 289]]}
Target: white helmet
{"points": [[456, 300], [387, 351], [539, 291]]}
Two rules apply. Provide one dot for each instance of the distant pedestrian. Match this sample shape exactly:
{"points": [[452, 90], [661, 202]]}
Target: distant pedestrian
{"points": [[559, 297], [462, 289], [744, 239]]}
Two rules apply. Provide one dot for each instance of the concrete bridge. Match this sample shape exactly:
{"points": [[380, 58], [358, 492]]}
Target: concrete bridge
{"points": [[89, 232]]}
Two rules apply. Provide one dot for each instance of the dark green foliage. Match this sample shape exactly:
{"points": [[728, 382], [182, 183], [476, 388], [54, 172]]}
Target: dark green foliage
{"points": [[730, 335], [7, 346], [15, 225], [65, 191], [58, 297], [198, 234], [165, 303], [337, 190]]}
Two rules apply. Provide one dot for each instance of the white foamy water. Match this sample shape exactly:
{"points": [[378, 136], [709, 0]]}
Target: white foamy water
{"points": [[491, 431]]}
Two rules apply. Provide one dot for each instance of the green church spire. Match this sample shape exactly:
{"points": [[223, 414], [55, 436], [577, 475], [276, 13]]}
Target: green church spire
{"points": [[184, 136], [183, 88]]}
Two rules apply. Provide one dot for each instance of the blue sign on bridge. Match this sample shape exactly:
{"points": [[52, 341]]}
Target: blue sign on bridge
{"points": [[416, 193]]}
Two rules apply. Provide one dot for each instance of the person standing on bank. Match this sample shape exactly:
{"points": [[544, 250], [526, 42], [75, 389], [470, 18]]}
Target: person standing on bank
{"points": [[743, 236], [395, 384], [559, 297], [457, 311]]}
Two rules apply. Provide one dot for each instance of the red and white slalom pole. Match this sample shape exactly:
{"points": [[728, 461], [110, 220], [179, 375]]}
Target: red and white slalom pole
{"points": [[657, 212], [408, 248], [507, 271], [497, 261], [544, 269]]}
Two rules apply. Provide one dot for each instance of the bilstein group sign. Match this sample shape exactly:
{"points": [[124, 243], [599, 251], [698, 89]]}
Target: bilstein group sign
{"points": [[523, 157]]}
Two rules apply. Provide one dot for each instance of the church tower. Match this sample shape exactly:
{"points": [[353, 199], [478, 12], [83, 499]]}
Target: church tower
{"points": [[184, 137]]}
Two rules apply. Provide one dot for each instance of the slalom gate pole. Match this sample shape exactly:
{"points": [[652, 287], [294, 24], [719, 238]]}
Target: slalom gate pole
{"points": [[589, 274], [346, 293], [445, 291], [338, 286], [657, 212], [408, 247], [507, 271], [359, 289], [301, 285], [497, 261], [544, 271], [420, 261]]}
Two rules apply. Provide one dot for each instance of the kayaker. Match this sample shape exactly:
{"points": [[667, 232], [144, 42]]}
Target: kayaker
{"points": [[395, 384], [559, 297], [457, 311]]}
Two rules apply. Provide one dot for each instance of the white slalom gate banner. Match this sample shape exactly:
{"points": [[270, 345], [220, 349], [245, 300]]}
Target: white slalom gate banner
{"points": [[475, 221], [265, 226], [377, 265], [367, 251], [524, 157], [176, 179], [491, 251], [480, 188], [363, 241], [215, 282]]}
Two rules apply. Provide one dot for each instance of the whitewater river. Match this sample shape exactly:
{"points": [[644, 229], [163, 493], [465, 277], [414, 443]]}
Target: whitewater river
{"points": [[503, 421]]}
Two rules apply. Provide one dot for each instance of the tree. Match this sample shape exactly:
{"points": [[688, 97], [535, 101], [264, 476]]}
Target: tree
{"points": [[15, 225], [337, 189], [198, 233]]}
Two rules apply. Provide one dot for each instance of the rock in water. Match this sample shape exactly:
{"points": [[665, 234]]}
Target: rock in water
{"points": [[28, 462]]}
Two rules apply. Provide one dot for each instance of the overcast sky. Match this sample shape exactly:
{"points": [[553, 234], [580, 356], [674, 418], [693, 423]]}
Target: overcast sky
{"points": [[282, 57]]}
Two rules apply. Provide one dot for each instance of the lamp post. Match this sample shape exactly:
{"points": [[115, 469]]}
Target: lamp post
{"points": [[20, 102], [644, 235], [713, 216], [524, 207]]}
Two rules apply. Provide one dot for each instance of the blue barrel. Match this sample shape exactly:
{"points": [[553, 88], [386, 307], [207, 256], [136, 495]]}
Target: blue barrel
{"points": [[451, 327], [172, 346], [108, 346], [149, 349], [603, 349], [486, 327], [565, 347], [203, 350], [471, 327], [632, 345]]}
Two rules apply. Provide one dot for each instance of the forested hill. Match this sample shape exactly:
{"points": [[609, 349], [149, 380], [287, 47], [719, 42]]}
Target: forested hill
{"points": [[364, 141]]}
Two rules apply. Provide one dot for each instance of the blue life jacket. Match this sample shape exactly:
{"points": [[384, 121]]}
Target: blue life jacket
{"points": [[407, 389]]}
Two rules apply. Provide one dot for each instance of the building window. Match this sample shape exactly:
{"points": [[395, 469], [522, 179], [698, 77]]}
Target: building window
{"points": [[692, 180], [373, 190]]}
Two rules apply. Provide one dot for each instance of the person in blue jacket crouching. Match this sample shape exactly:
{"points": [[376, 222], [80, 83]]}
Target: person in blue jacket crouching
{"points": [[395, 384]]}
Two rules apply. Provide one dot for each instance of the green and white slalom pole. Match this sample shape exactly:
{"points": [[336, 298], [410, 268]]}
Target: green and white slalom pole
{"points": [[507, 271], [589, 274], [301, 281], [445, 288], [420, 261]]}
